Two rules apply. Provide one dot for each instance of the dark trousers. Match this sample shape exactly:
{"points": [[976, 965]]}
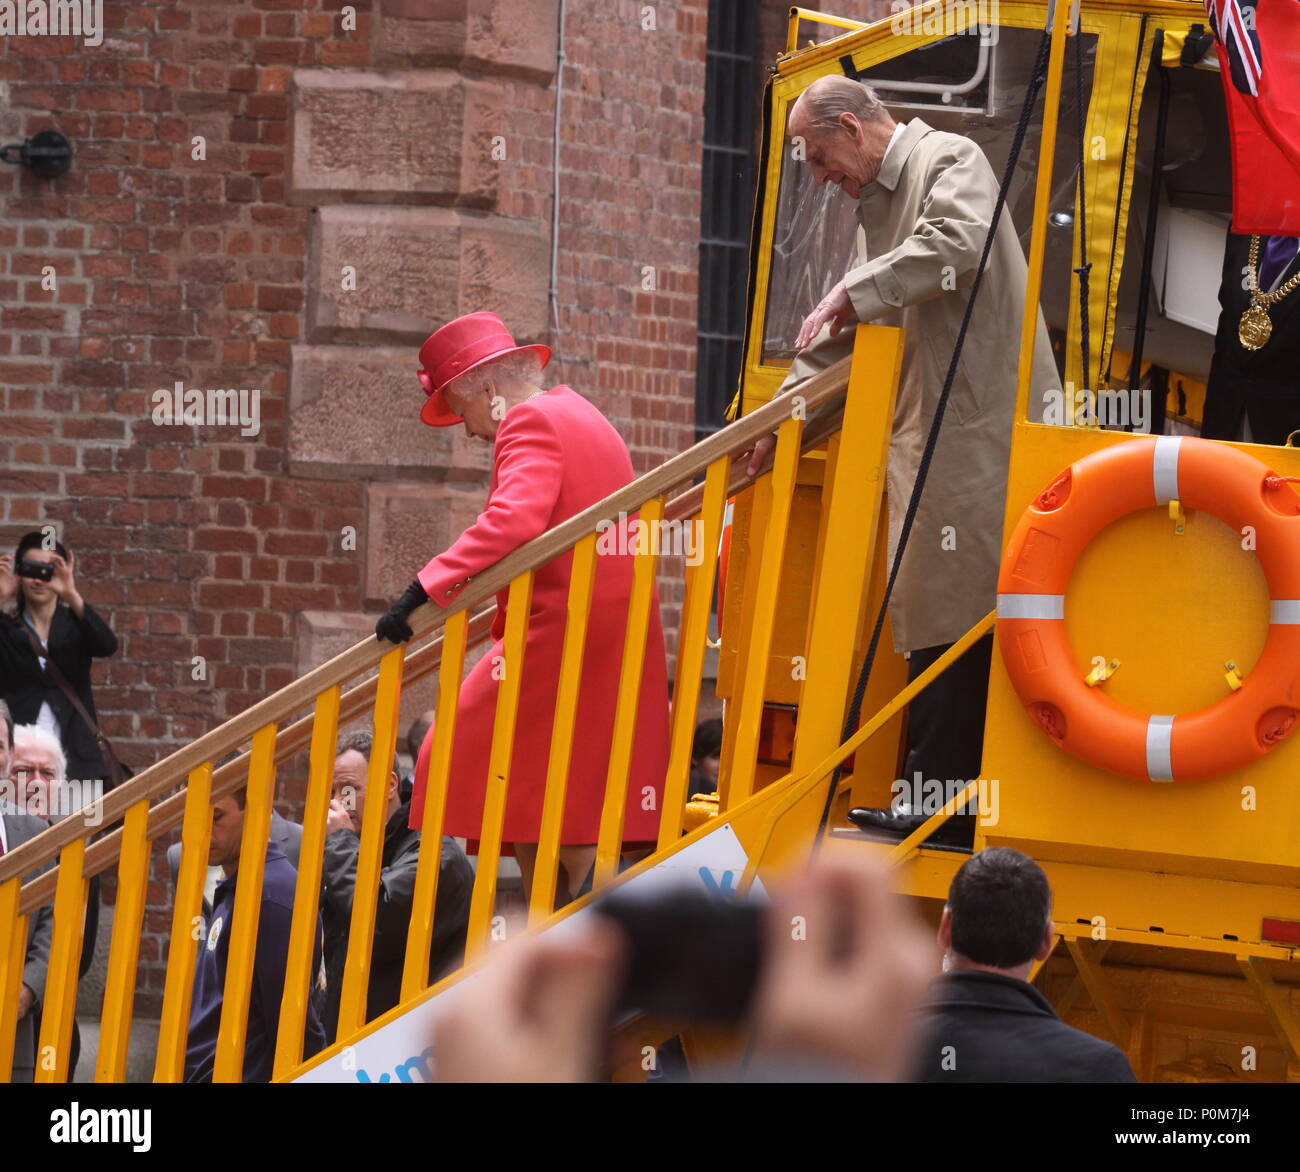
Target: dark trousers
{"points": [[945, 723]]}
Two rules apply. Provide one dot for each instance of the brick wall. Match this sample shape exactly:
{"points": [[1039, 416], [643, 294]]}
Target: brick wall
{"points": [[218, 264]]}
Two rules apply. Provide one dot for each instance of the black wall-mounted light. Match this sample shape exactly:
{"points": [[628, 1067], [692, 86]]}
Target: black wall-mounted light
{"points": [[48, 153]]}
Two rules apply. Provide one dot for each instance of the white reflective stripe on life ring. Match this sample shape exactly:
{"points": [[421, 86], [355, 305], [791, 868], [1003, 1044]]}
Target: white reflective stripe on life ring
{"points": [[1284, 612], [1031, 606], [1164, 467], [1160, 736]]}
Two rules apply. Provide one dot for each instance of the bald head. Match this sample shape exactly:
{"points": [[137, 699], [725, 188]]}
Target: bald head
{"points": [[822, 103], [845, 130]]}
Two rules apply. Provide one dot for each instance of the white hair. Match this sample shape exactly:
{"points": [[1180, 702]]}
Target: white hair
{"points": [[523, 365], [40, 737], [827, 98]]}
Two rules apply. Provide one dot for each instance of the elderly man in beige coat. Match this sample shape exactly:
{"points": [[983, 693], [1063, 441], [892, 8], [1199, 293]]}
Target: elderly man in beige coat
{"points": [[925, 202]]}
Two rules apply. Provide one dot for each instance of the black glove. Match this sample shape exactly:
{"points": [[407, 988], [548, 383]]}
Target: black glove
{"points": [[393, 626]]}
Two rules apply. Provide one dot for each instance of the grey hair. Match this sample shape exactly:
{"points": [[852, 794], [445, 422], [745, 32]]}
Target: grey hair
{"points": [[48, 740], [8, 718], [361, 742], [828, 97], [520, 364]]}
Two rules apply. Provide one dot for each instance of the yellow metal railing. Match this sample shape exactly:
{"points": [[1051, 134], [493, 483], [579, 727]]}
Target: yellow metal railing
{"points": [[117, 833]]}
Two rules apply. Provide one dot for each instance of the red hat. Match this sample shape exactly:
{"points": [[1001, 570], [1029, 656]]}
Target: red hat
{"points": [[460, 346]]}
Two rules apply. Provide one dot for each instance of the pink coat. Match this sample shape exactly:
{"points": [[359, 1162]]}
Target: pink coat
{"points": [[555, 455]]}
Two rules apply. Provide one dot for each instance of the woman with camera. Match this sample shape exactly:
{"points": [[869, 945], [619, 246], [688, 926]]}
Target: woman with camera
{"points": [[46, 645]]}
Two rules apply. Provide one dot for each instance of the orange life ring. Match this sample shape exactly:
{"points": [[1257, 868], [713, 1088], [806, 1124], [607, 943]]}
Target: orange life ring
{"points": [[1201, 474]]}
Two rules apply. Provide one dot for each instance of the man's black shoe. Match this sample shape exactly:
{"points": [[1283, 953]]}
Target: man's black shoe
{"points": [[958, 831]]}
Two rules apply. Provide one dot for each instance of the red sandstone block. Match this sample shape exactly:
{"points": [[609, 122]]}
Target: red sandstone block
{"points": [[235, 487], [220, 540]]}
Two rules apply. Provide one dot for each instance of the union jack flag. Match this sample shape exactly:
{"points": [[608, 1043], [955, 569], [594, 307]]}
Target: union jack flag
{"points": [[1263, 110], [1233, 22]]}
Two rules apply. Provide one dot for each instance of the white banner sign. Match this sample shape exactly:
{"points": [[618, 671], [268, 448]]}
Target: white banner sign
{"points": [[401, 1050]]}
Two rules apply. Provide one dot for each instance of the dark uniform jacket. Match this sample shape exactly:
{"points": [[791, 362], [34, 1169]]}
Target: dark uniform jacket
{"points": [[983, 1027], [271, 956], [401, 855], [40, 923], [1264, 384], [73, 643]]}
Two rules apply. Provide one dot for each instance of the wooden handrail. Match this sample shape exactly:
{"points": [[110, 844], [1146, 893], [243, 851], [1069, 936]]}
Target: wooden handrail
{"points": [[817, 398]]}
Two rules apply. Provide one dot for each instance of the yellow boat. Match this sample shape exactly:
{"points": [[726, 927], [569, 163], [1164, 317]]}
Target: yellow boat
{"points": [[1177, 907]]}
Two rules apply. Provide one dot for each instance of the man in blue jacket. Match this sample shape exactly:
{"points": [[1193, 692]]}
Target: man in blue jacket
{"points": [[270, 958]]}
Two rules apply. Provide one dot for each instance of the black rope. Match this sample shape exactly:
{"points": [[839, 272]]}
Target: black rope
{"points": [[1153, 216], [1085, 265], [1036, 79]]}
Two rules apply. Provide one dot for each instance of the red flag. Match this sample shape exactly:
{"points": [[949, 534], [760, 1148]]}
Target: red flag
{"points": [[1258, 43]]}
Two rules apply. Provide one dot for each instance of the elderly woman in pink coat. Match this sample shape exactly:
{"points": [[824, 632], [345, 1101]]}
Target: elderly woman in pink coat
{"points": [[554, 454]]}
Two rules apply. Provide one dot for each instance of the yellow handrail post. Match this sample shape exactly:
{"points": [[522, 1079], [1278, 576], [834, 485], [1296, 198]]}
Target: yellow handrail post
{"points": [[60, 1002], [610, 837], [228, 1062], [1064, 11], [419, 935], [299, 974], [855, 490], [374, 817], [747, 716], [13, 954], [174, 1023], [582, 579], [690, 652], [124, 950], [483, 899]]}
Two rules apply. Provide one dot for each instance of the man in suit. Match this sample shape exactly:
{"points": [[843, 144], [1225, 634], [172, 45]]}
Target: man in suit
{"points": [[984, 1022], [1254, 394], [38, 765], [15, 829], [925, 203]]}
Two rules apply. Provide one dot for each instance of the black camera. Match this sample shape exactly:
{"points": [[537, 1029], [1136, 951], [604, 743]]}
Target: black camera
{"points": [[691, 956], [40, 571]]}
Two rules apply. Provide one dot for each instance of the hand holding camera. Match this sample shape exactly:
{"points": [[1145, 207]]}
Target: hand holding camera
{"points": [[8, 579]]}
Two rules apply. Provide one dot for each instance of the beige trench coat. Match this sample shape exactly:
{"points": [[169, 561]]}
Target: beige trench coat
{"points": [[924, 221]]}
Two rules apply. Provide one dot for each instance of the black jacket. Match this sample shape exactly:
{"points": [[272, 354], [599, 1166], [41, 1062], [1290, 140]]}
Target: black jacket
{"points": [[982, 1027], [73, 643], [401, 855], [1263, 384]]}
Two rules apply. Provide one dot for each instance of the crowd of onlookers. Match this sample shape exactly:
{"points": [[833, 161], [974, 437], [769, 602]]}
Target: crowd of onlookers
{"points": [[33, 758]]}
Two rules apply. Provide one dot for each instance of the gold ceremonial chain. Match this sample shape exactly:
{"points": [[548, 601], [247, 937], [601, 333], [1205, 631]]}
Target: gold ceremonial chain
{"points": [[1256, 327]]}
